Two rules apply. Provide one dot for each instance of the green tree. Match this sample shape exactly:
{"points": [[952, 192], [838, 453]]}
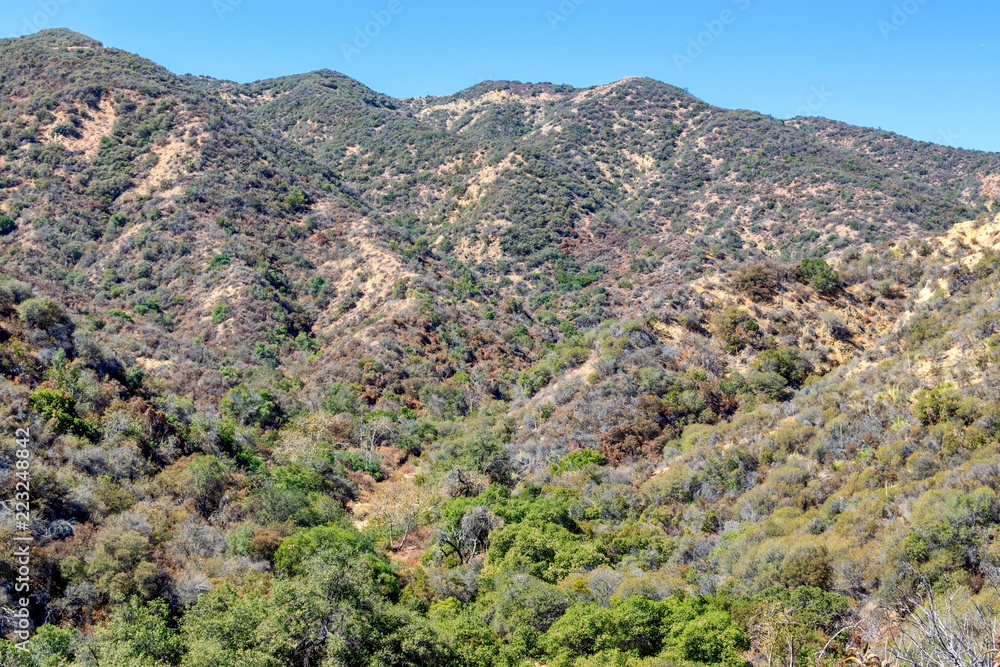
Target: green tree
{"points": [[542, 549], [227, 627], [698, 631], [331, 604], [137, 635], [51, 646], [636, 626], [471, 640], [121, 566], [581, 631]]}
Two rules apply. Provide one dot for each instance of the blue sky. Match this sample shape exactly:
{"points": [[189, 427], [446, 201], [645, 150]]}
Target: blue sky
{"points": [[924, 68]]}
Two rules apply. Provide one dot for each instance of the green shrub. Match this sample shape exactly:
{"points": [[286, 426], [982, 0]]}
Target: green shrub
{"points": [[142, 270], [922, 328], [341, 398], [147, 306], [121, 315], [690, 630], [443, 400], [207, 482], [121, 566], [818, 274], [359, 463], [676, 485], [13, 292], [251, 407], [267, 353], [578, 459], [220, 313], [535, 378], [788, 362], [305, 343], [66, 130], [134, 377], [220, 260], [316, 285], [770, 385], [542, 549], [689, 319], [736, 328], [226, 225], [54, 404], [6, 225], [42, 313], [330, 540], [942, 403], [296, 200], [136, 633]]}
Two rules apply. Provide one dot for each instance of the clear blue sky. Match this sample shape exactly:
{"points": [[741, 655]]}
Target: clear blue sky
{"points": [[928, 70]]}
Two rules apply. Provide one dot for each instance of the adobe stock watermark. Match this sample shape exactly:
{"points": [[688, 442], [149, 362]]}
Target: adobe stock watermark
{"points": [[223, 7], [47, 10], [363, 37], [559, 15], [20, 615], [698, 44], [948, 137], [818, 97], [900, 16]]}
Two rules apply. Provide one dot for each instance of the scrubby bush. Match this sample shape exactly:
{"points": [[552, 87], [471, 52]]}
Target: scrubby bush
{"points": [[942, 403], [758, 281], [60, 406], [44, 314], [207, 482], [578, 459], [121, 566], [220, 313], [252, 407], [788, 362], [818, 274], [736, 328], [13, 292], [341, 397]]}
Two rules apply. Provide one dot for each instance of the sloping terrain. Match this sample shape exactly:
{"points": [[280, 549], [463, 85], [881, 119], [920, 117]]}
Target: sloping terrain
{"points": [[528, 374]]}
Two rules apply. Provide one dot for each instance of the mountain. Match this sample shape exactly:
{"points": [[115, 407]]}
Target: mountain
{"points": [[525, 374]]}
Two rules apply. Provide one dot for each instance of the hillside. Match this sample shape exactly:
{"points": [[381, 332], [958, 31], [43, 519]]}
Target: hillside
{"points": [[528, 374]]}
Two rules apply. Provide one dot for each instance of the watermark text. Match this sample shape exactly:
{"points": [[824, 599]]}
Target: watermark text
{"points": [[381, 19], [20, 507], [714, 28]]}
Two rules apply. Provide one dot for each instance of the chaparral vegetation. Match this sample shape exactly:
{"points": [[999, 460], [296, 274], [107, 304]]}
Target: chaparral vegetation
{"points": [[525, 375]]}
